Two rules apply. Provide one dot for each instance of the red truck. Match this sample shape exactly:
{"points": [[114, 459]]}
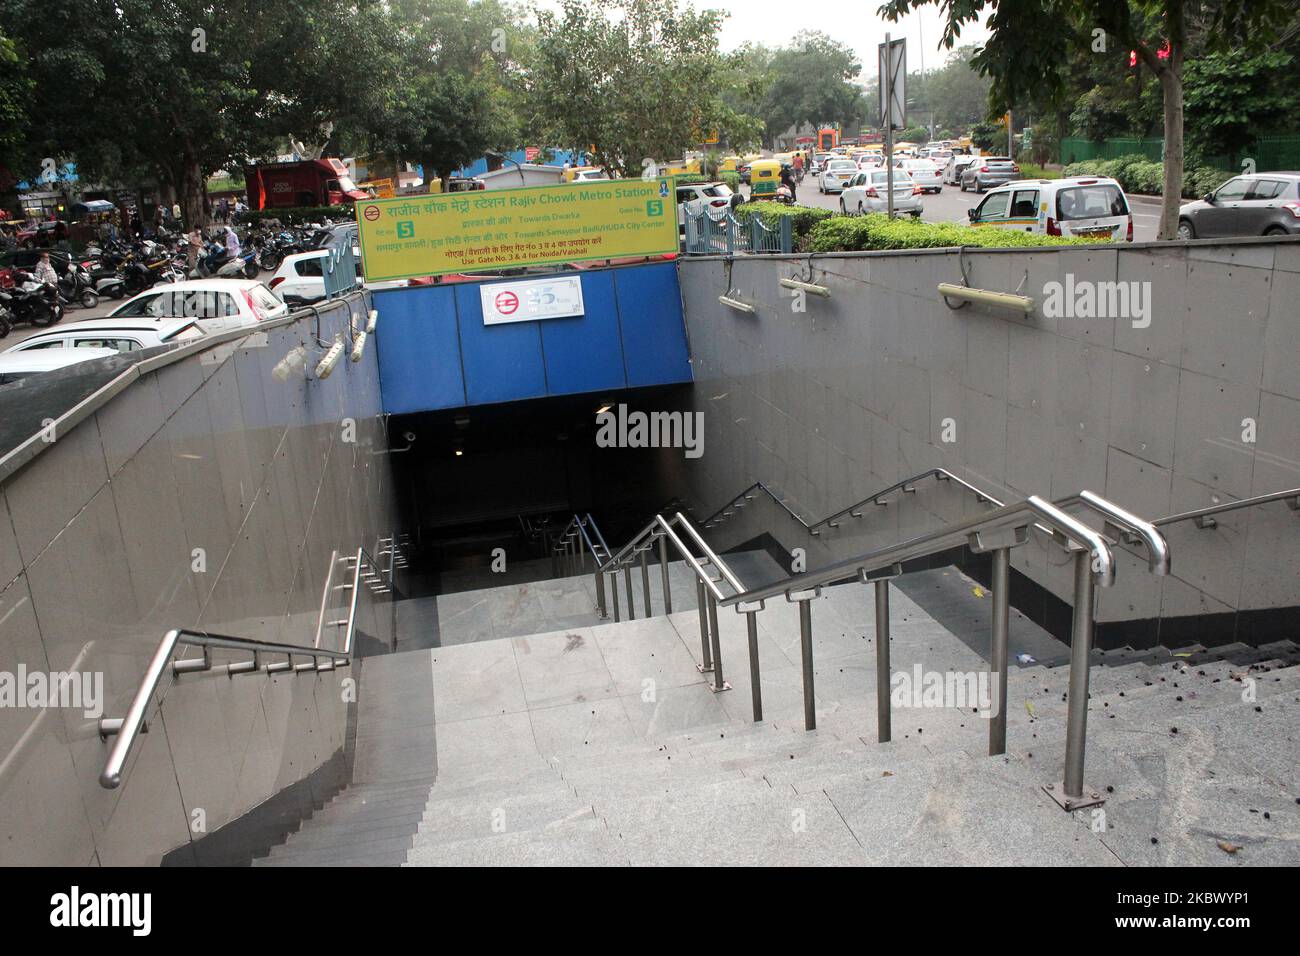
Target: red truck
{"points": [[311, 182]]}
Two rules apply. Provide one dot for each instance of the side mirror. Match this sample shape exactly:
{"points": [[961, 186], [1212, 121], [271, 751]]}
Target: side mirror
{"points": [[970, 214], [1209, 198]]}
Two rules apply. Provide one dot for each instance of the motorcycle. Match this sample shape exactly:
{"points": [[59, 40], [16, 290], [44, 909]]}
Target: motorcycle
{"points": [[105, 279], [32, 301], [76, 286], [6, 318], [784, 195], [216, 265]]}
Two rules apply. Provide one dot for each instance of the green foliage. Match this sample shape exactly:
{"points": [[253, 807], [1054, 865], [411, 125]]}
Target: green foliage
{"points": [[297, 215], [802, 218], [810, 81], [1231, 97], [1034, 171], [988, 136], [878, 231], [640, 85], [1139, 175], [914, 134]]}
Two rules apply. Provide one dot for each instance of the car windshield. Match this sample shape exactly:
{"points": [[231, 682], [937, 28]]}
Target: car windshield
{"points": [[1091, 202]]}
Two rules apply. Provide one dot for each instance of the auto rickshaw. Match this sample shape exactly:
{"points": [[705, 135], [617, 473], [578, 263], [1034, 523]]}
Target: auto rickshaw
{"points": [[764, 177], [729, 164]]}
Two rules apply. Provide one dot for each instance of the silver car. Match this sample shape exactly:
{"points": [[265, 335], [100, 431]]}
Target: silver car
{"points": [[868, 191], [1262, 204], [988, 171]]}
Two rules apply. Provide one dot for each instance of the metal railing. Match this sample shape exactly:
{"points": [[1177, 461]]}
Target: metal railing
{"points": [[660, 533], [1204, 517], [996, 531], [580, 537], [721, 232], [125, 730]]}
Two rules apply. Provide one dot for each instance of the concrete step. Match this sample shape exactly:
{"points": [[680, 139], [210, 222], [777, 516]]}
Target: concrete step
{"points": [[584, 842], [484, 817]]}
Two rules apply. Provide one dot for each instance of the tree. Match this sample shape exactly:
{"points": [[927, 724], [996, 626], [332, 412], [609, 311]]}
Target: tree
{"points": [[811, 81], [641, 85], [1023, 52], [1232, 97], [177, 90], [16, 90]]}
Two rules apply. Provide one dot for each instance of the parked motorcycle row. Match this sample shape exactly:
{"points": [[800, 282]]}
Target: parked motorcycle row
{"points": [[119, 268]]}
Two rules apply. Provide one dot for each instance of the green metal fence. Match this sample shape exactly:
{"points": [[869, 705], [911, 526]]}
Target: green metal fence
{"points": [[1270, 153]]}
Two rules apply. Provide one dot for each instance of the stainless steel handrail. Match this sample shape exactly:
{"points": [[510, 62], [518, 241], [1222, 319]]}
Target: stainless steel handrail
{"points": [[1204, 517], [1073, 531], [1125, 526], [127, 729], [660, 530], [832, 520]]}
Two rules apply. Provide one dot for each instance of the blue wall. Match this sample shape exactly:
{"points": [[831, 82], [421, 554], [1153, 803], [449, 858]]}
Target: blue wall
{"points": [[435, 352]]}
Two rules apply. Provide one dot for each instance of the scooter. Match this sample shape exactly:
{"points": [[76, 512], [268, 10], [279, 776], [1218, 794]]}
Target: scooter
{"points": [[215, 265], [32, 301], [76, 286], [105, 279], [784, 195]]}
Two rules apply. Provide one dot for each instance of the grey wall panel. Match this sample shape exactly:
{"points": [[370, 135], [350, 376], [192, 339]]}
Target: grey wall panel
{"points": [[97, 546], [830, 404]]}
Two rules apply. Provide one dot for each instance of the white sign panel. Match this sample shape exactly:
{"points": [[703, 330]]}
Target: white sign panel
{"points": [[893, 83], [531, 299]]}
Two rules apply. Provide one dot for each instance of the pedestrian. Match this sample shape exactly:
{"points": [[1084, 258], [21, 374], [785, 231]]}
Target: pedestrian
{"points": [[231, 242], [44, 272], [176, 213], [223, 210], [194, 247]]}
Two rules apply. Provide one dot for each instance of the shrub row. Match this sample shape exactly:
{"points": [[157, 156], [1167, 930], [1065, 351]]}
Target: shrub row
{"points": [[1137, 174], [878, 231], [802, 218], [297, 215]]}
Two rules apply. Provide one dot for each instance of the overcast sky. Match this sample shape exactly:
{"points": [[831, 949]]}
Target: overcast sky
{"points": [[775, 22]]}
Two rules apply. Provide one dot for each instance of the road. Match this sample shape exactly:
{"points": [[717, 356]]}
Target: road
{"points": [[951, 205]]}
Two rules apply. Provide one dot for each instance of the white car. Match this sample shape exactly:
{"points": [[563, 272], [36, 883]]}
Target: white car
{"points": [[14, 366], [868, 191], [1090, 206], [952, 170], [116, 335], [300, 279], [925, 174], [216, 304], [694, 197], [835, 175]]}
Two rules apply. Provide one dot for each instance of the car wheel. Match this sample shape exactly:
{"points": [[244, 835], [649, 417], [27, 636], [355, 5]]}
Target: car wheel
{"points": [[861, 211], [979, 190], [963, 185], [1186, 230], [843, 211], [116, 292], [1273, 231]]}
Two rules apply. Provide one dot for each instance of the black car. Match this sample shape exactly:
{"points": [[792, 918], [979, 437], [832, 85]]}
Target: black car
{"points": [[26, 259]]}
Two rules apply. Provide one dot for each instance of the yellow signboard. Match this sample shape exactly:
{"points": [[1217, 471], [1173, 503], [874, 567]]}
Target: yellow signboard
{"points": [[507, 228]]}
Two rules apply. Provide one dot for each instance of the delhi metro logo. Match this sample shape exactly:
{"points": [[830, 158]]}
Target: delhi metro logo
{"points": [[507, 302]]}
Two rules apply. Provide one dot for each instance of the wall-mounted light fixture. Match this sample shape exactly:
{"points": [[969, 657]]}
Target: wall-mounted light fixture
{"points": [[326, 365], [292, 364], [359, 346], [1001, 300], [372, 321], [809, 287], [737, 305]]}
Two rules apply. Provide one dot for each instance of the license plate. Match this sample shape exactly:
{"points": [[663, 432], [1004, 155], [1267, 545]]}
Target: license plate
{"points": [[1089, 233]]}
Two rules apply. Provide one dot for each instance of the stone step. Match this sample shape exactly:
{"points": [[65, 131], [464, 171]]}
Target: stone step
{"points": [[584, 842]]}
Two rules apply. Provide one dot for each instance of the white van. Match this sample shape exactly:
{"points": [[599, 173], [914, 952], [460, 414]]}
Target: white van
{"points": [[1087, 206]]}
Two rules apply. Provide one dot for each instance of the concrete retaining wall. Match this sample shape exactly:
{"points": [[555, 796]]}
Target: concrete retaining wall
{"points": [[855, 393], [98, 560]]}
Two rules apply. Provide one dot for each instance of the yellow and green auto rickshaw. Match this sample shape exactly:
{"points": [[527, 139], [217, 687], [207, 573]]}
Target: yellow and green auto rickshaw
{"points": [[764, 177]]}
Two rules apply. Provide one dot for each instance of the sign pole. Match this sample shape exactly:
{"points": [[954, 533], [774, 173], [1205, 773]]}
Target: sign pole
{"points": [[889, 127]]}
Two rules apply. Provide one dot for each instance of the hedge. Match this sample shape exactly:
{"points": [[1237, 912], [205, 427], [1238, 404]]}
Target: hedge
{"points": [[297, 215], [877, 231], [802, 218], [1137, 174]]}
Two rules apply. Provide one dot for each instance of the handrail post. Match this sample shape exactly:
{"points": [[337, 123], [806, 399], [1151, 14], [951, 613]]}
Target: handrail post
{"points": [[884, 725], [998, 650], [663, 572], [645, 581], [1072, 796], [631, 604], [600, 594], [706, 652], [806, 652], [719, 684], [755, 681], [613, 584]]}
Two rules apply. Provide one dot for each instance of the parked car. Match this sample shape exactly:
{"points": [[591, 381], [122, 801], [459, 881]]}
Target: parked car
{"points": [[835, 175], [300, 278], [42, 233], [868, 191], [988, 171], [16, 365], [1092, 207], [26, 259], [925, 174], [691, 197], [114, 335], [952, 171], [1263, 204], [216, 303]]}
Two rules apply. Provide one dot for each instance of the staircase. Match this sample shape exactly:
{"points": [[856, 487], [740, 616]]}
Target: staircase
{"points": [[603, 744]]}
